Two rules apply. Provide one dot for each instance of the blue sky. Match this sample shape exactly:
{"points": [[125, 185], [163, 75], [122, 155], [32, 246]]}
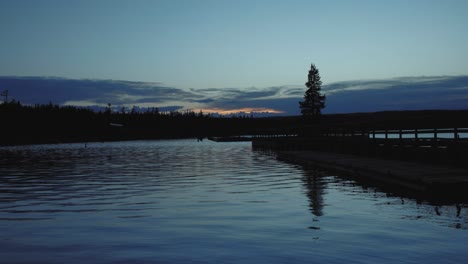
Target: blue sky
{"points": [[232, 45]]}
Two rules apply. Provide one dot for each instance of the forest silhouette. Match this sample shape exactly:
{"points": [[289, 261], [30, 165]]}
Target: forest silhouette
{"points": [[51, 123]]}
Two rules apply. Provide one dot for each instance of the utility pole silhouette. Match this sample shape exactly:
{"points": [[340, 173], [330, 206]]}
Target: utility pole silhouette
{"points": [[5, 95]]}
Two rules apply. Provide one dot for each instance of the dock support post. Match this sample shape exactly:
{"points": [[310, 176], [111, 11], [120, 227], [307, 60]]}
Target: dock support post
{"points": [[401, 138], [415, 137]]}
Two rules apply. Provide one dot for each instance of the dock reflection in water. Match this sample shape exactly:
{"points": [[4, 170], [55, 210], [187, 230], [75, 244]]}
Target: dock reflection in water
{"points": [[181, 201]]}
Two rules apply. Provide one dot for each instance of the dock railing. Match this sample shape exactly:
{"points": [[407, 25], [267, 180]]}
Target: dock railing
{"points": [[434, 137], [439, 145]]}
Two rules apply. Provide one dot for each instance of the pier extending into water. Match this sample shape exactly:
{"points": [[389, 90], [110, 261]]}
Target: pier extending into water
{"points": [[433, 161], [443, 146]]}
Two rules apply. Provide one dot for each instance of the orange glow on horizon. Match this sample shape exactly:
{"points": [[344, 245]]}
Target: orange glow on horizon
{"points": [[248, 110]]}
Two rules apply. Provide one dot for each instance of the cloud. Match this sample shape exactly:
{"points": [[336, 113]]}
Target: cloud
{"points": [[278, 99], [241, 94], [406, 93], [411, 83], [32, 90]]}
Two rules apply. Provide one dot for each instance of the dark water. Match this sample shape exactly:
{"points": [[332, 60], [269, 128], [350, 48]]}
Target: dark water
{"points": [[189, 202]]}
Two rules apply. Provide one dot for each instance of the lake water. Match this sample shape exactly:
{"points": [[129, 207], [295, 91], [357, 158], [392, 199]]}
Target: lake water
{"points": [[186, 202]]}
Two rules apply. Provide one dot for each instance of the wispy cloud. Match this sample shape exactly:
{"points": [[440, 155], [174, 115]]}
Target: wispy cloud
{"points": [[422, 82], [64, 91], [405, 93]]}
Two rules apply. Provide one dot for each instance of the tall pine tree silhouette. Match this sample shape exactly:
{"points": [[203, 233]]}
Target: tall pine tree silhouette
{"points": [[313, 102]]}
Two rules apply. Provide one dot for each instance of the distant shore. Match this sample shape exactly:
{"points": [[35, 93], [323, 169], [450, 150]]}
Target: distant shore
{"points": [[46, 124]]}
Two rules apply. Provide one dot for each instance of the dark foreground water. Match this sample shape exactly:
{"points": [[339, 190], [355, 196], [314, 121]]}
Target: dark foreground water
{"points": [[189, 202]]}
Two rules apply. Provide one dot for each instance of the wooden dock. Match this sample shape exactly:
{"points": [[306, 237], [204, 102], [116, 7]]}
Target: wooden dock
{"points": [[432, 162], [436, 181], [442, 146]]}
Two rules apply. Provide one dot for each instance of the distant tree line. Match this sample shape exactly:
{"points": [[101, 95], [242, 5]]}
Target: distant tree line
{"points": [[51, 123]]}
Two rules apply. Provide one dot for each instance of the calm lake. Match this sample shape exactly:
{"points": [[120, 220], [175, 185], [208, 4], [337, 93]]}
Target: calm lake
{"points": [[184, 201]]}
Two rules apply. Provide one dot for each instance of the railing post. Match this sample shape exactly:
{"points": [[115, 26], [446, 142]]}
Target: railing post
{"points": [[454, 150], [435, 138], [386, 141], [401, 138], [415, 136]]}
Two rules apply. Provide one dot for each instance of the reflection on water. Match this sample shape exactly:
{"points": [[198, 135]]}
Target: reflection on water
{"points": [[183, 201]]}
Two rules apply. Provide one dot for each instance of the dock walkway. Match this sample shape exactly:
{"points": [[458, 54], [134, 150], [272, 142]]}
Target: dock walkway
{"points": [[412, 176]]}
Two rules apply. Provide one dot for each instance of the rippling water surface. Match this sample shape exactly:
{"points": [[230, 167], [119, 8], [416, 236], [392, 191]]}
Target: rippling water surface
{"points": [[183, 201]]}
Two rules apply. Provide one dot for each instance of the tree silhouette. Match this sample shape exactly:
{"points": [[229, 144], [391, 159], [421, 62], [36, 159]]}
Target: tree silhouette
{"points": [[313, 100]]}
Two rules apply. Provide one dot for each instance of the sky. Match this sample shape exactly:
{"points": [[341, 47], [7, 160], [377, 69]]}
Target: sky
{"points": [[209, 49]]}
